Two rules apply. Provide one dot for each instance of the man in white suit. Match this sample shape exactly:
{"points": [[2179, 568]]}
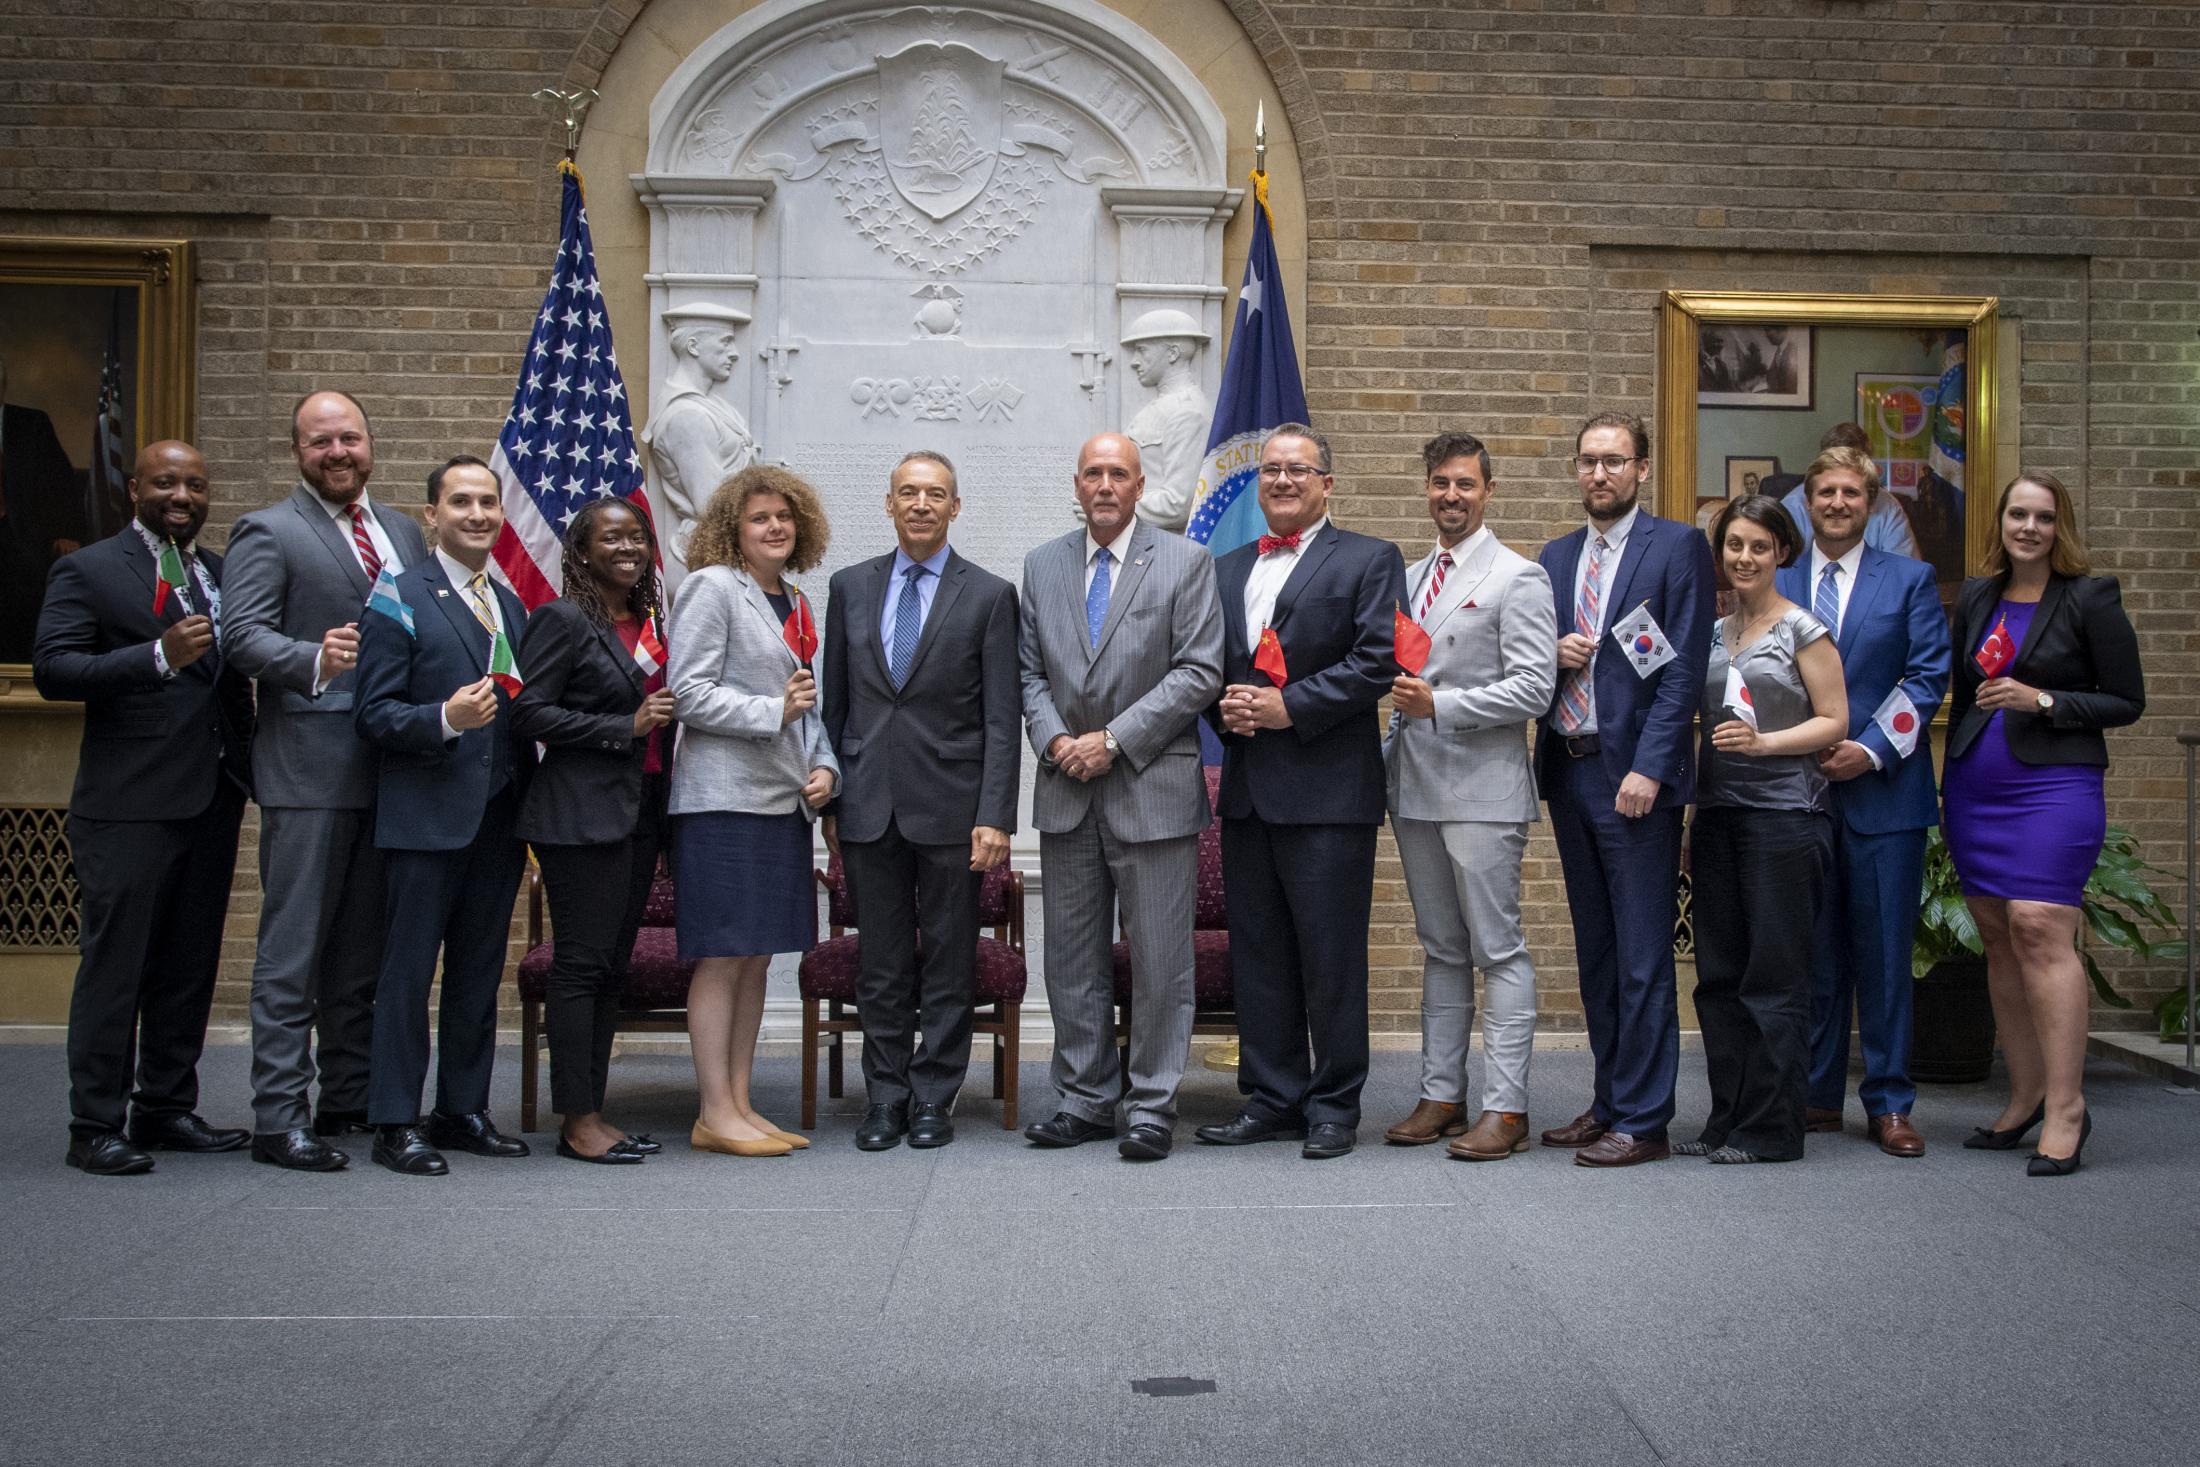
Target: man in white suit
{"points": [[1120, 648], [1461, 801]]}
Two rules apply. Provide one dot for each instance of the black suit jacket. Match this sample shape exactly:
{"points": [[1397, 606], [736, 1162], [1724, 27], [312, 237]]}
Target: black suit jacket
{"points": [[1333, 618], [154, 748], [579, 700], [940, 756], [2080, 647]]}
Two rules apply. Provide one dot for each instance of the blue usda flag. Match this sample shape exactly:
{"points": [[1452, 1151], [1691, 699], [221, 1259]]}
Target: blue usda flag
{"points": [[386, 599], [1260, 388]]}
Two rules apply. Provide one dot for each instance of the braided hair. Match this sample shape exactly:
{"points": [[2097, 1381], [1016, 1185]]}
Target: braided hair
{"points": [[581, 587]]}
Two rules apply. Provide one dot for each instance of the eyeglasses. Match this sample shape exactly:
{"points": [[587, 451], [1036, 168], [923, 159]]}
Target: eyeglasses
{"points": [[1611, 463], [1294, 472]]}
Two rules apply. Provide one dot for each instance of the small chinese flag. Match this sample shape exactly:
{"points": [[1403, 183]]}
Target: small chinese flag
{"points": [[503, 666], [1412, 644], [168, 580], [1268, 657], [1997, 651], [649, 648], [800, 630]]}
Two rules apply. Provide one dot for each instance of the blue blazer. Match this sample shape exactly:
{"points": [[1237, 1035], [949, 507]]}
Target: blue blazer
{"points": [[431, 791], [1894, 632], [1643, 723], [1333, 619]]}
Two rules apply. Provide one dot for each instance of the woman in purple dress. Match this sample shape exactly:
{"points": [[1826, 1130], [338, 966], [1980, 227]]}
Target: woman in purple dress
{"points": [[2045, 659]]}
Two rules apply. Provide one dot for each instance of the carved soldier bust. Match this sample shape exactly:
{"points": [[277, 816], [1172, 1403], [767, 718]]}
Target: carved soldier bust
{"points": [[697, 440], [1171, 431]]}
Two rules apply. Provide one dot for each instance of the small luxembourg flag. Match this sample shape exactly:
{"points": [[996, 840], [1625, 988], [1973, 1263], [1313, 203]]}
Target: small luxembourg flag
{"points": [[386, 599], [1737, 696], [1897, 719], [1642, 641], [649, 648]]}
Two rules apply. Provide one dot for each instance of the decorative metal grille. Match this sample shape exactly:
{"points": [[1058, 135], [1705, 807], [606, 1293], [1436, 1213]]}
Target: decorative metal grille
{"points": [[1684, 920], [38, 903]]}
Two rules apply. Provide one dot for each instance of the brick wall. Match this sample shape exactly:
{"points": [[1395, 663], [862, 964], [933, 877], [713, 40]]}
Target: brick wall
{"points": [[1496, 193]]}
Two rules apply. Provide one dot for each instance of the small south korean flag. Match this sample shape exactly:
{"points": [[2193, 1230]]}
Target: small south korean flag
{"points": [[1642, 641], [1897, 719], [1737, 697]]}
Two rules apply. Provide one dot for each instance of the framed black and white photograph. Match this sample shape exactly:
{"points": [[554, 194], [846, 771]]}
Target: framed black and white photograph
{"points": [[1753, 366], [1747, 475]]}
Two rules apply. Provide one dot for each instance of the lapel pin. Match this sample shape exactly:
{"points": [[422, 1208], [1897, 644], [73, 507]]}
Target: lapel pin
{"points": [[442, 591]]}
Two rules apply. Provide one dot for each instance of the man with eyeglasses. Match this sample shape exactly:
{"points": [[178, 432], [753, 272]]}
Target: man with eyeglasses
{"points": [[1614, 761], [1307, 653]]}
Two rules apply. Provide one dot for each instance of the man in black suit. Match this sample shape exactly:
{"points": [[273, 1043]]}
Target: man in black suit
{"points": [[161, 781], [1302, 795], [433, 698], [923, 703], [39, 516]]}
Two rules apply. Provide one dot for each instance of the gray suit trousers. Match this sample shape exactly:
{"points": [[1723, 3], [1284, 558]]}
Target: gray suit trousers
{"points": [[321, 929], [1464, 878], [1086, 869]]}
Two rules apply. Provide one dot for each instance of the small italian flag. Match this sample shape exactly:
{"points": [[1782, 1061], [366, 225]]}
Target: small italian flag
{"points": [[649, 648], [503, 666], [169, 579]]}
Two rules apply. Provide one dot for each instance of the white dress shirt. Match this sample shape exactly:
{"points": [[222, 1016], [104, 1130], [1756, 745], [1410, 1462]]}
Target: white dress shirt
{"points": [[1460, 554], [1115, 549], [1265, 584], [1844, 586], [461, 586], [1615, 546]]}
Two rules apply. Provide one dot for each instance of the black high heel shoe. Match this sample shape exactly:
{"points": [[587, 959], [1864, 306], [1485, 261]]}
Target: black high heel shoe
{"points": [[1981, 1139], [2060, 1166]]}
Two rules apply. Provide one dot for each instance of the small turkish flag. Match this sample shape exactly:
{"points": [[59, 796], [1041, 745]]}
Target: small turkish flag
{"points": [[1412, 644], [800, 630], [1268, 657], [1737, 696], [1897, 719], [1997, 651]]}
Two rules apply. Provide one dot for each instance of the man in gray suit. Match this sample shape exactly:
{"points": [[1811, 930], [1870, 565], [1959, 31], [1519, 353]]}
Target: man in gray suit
{"points": [[1461, 802], [297, 578], [1121, 648]]}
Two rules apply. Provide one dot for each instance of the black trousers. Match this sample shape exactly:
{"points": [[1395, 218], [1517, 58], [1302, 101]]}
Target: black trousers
{"points": [[1758, 878], [597, 894], [916, 910], [1298, 900], [458, 903], [153, 894]]}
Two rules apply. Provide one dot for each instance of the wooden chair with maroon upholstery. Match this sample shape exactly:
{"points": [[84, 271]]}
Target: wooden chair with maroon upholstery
{"points": [[1214, 998]]}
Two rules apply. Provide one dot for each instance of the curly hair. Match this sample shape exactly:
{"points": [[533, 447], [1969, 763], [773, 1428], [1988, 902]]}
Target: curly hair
{"points": [[581, 586], [717, 537]]}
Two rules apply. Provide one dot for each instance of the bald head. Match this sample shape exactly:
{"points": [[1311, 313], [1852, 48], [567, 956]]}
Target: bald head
{"points": [[334, 446], [1109, 481], [169, 488]]}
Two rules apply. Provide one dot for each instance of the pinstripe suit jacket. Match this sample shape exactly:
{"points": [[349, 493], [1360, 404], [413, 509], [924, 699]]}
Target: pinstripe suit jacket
{"points": [[1158, 663], [728, 674]]}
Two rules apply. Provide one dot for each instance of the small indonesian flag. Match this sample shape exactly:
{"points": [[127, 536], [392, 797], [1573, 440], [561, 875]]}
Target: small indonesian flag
{"points": [[800, 629], [1412, 644], [387, 599], [1897, 719], [649, 648], [1997, 651], [503, 666], [1268, 657], [1642, 641], [1737, 696], [169, 580]]}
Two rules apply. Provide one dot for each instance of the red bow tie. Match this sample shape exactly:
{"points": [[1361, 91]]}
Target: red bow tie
{"points": [[1272, 543]]}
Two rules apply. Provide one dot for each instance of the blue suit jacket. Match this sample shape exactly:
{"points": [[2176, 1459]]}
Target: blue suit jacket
{"points": [[431, 790], [1643, 723], [1893, 632]]}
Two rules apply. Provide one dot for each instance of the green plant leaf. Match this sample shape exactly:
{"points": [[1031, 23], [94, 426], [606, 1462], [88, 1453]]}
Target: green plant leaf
{"points": [[2101, 986]]}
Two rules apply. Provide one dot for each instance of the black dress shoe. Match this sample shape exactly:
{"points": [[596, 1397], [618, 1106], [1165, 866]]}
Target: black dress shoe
{"points": [[2043, 1165], [618, 1153], [1328, 1139], [1985, 1138], [300, 1150], [341, 1123], [883, 1127], [1248, 1128], [404, 1150], [1145, 1142], [1065, 1129], [183, 1131], [929, 1125], [107, 1155], [645, 1143], [475, 1133]]}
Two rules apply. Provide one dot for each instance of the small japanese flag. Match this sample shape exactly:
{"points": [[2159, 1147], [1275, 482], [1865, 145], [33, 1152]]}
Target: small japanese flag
{"points": [[1737, 696], [1897, 719], [1642, 641]]}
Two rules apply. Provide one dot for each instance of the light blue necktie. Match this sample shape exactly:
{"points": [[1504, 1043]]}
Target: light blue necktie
{"points": [[908, 625], [1096, 599], [1827, 606]]}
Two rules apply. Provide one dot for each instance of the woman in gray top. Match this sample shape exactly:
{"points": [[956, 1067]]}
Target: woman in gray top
{"points": [[1772, 698]]}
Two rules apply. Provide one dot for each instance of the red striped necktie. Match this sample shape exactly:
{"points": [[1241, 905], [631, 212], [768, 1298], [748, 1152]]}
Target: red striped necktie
{"points": [[363, 542]]}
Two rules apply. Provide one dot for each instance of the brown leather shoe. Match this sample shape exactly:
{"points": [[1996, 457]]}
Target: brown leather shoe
{"points": [[1582, 1130], [1496, 1135], [1432, 1120], [1896, 1136], [1816, 1119], [1617, 1148]]}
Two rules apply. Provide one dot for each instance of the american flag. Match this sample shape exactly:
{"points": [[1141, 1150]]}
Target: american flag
{"points": [[107, 508], [568, 438]]}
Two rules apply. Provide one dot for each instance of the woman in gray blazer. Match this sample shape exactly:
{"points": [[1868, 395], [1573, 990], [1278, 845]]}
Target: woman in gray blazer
{"points": [[754, 768]]}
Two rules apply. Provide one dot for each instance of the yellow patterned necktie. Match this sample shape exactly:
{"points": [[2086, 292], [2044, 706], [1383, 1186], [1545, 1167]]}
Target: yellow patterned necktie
{"points": [[477, 591]]}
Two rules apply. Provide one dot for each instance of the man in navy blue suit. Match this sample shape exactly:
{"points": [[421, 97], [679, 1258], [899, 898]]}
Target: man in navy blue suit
{"points": [[1614, 759], [1302, 796], [436, 675], [1886, 619]]}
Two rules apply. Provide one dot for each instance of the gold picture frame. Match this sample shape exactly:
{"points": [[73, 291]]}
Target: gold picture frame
{"points": [[1683, 315], [157, 317]]}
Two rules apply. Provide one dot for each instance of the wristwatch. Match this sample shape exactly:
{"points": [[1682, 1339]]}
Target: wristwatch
{"points": [[2046, 702], [1107, 737]]}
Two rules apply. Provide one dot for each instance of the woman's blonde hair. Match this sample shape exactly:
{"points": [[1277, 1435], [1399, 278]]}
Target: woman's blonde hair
{"points": [[717, 538], [2067, 556]]}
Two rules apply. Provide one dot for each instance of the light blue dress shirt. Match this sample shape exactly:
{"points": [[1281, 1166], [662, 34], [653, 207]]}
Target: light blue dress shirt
{"points": [[927, 588]]}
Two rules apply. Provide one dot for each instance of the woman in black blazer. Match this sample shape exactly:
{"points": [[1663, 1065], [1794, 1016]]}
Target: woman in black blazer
{"points": [[2045, 660], [595, 814]]}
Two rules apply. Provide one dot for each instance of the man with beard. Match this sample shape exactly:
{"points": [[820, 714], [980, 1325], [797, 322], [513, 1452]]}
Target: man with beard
{"points": [[300, 572]]}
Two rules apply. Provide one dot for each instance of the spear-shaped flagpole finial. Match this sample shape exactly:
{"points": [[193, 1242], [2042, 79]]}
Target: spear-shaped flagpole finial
{"points": [[1260, 137], [576, 102]]}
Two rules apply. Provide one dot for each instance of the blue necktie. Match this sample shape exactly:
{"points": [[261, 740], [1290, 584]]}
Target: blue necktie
{"points": [[908, 624], [1096, 599], [1827, 606]]}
